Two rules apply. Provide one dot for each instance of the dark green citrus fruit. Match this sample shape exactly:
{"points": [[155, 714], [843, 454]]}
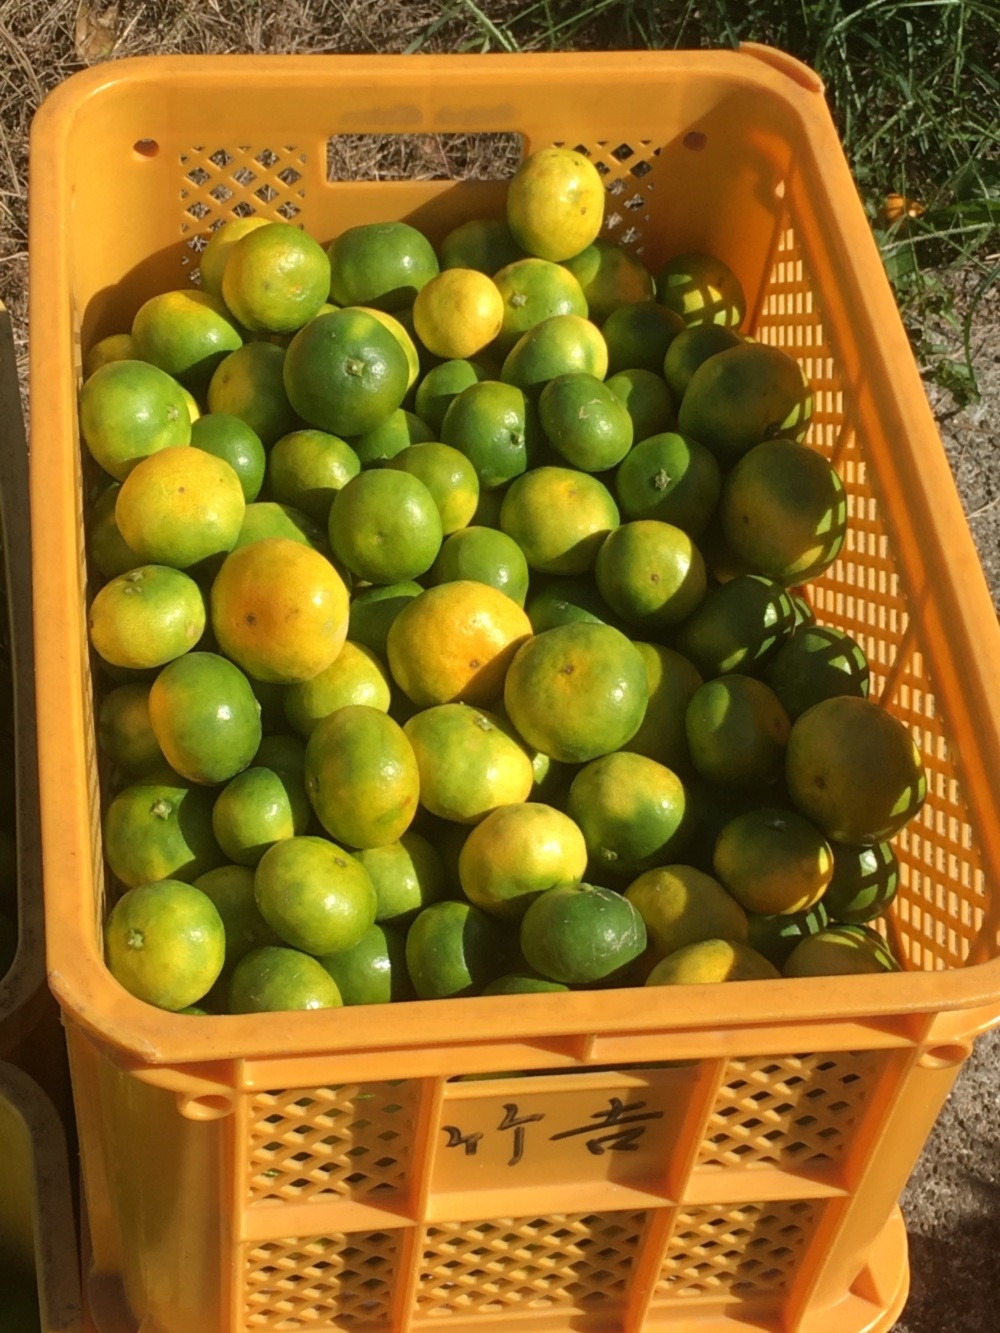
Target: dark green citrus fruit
{"points": [[737, 627], [581, 935], [817, 662], [454, 949], [671, 478]]}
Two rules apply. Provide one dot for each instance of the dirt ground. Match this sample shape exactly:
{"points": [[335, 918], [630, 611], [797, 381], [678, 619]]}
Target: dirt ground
{"points": [[952, 1204]]}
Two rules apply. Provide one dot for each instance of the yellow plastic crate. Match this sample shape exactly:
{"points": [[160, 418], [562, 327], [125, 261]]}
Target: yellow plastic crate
{"points": [[701, 1158], [37, 1232]]}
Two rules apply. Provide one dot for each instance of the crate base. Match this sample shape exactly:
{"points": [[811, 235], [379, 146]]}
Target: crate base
{"points": [[879, 1293], [874, 1303]]}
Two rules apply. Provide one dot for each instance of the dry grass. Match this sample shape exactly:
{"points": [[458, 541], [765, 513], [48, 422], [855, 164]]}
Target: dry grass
{"points": [[43, 42], [916, 91]]}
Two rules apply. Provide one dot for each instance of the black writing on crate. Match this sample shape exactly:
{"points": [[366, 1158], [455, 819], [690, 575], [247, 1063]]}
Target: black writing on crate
{"points": [[456, 1139], [618, 1128], [623, 1126], [511, 1120]]}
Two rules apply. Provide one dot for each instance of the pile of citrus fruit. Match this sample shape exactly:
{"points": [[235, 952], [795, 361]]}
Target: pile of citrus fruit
{"points": [[454, 621]]}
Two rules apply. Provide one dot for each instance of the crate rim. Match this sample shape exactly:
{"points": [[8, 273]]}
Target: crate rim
{"points": [[79, 978], [758, 64]]}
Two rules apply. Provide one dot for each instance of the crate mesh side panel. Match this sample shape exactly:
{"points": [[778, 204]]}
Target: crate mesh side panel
{"points": [[790, 1111], [354, 1141], [219, 183], [735, 1251], [582, 1261], [339, 1281], [629, 172], [939, 909]]}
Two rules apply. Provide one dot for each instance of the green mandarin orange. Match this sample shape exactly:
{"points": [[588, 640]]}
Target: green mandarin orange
{"points": [[560, 518], [638, 336], [258, 808], [518, 852], [275, 979], [532, 290], [381, 264], [495, 427], [610, 276], [408, 876], [345, 372], [362, 777], [632, 812], [385, 526], [249, 384], [673, 682], [205, 717], [186, 333], [160, 828], [165, 943], [581, 935], [146, 617], [577, 692], [441, 386], [390, 437], [484, 244], [469, 762], [450, 478], [315, 895], [671, 478], [453, 949], [355, 676], [373, 971], [651, 574], [276, 278], [232, 440], [129, 410], [215, 256], [702, 290], [647, 400], [266, 518], [307, 468], [231, 890], [124, 731], [485, 556], [585, 422]]}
